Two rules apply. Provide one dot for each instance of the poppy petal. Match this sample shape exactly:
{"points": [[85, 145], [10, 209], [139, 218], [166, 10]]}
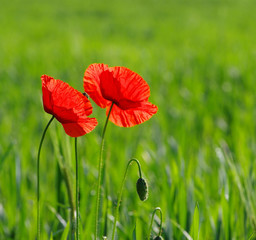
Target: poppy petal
{"points": [[69, 106], [110, 87], [132, 116], [81, 127], [63, 101], [92, 83], [48, 85], [132, 86]]}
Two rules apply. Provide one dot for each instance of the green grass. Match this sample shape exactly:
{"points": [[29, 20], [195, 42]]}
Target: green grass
{"points": [[199, 150]]}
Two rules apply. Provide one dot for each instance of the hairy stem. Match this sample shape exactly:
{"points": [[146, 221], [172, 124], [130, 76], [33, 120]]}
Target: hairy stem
{"points": [[100, 169], [38, 178], [152, 219], [71, 199], [77, 193], [121, 192]]}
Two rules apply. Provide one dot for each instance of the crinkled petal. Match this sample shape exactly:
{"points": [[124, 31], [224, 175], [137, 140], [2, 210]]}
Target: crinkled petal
{"points": [[63, 101], [132, 86], [69, 106], [80, 127], [132, 116], [127, 90], [48, 85], [110, 87], [92, 83]]}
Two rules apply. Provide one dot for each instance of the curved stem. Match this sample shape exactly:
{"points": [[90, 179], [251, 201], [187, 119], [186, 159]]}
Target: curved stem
{"points": [[152, 219], [38, 178], [100, 169], [77, 193], [121, 191]]}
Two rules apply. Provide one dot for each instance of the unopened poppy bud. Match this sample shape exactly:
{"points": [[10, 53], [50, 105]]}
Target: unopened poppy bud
{"points": [[158, 238], [142, 189]]}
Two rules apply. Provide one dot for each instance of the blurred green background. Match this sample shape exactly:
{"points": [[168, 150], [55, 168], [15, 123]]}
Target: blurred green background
{"points": [[199, 59]]}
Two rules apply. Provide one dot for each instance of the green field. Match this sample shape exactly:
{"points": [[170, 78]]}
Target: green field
{"points": [[199, 58]]}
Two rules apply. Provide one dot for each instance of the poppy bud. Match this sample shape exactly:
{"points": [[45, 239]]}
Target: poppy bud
{"points": [[158, 238], [142, 189]]}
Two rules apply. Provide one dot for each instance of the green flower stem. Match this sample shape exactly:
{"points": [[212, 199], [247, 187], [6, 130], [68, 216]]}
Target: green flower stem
{"points": [[38, 178], [68, 183], [77, 193], [121, 191], [100, 169], [106, 193], [152, 219]]}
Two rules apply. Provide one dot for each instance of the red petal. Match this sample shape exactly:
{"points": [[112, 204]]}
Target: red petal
{"points": [[132, 86], [48, 84], [63, 101], [132, 116], [110, 87], [69, 106], [80, 128], [92, 83]]}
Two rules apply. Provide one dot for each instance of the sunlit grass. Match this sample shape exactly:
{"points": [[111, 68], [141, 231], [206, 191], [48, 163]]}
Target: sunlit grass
{"points": [[199, 150]]}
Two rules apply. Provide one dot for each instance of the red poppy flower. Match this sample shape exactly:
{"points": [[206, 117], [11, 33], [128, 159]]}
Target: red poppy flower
{"points": [[127, 90], [69, 106]]}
